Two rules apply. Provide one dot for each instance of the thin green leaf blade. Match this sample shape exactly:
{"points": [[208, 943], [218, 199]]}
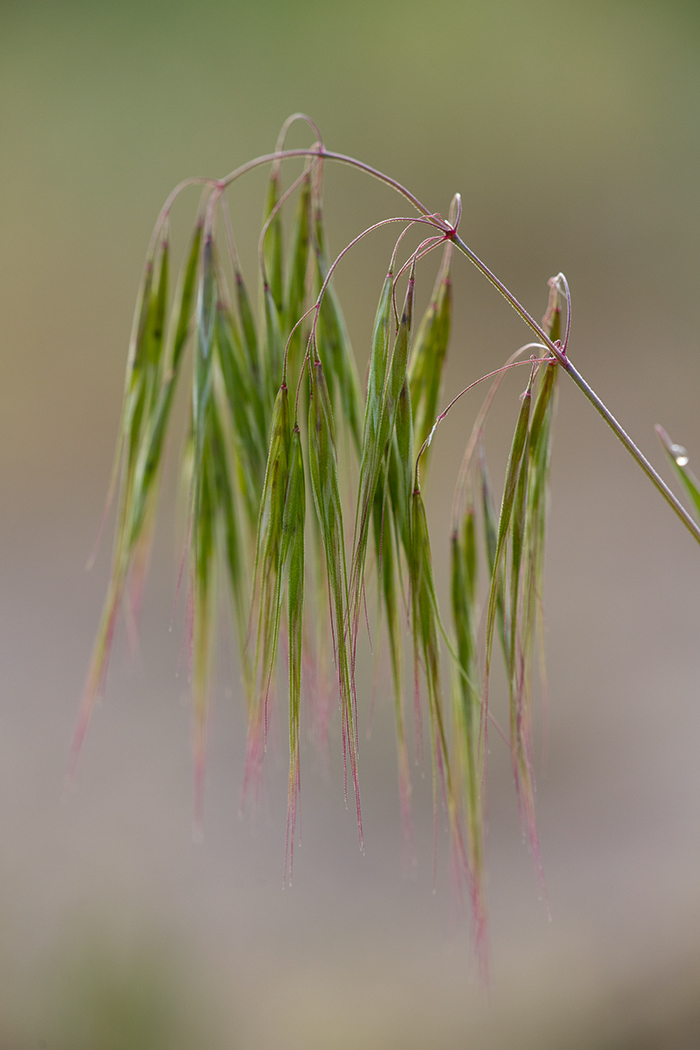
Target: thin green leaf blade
{"points": [[679, 458]]}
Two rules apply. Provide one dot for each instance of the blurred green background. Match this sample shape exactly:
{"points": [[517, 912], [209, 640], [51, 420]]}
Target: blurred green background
{"points": [[572, 130]]}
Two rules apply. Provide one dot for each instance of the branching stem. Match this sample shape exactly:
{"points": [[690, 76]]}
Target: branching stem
{"points": [[583, 386], [218, 187], [490, 375]]}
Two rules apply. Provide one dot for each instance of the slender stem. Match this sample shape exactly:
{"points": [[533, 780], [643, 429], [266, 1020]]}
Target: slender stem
{"points": [[355, 240], [581, 383], [328, 155], [490, 375]]}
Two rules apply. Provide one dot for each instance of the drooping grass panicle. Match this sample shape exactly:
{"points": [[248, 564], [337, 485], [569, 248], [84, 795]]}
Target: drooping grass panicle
{"points": [[246, 455]]}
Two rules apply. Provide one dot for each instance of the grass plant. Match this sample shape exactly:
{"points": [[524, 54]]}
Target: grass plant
{"points": [[274, 395]]}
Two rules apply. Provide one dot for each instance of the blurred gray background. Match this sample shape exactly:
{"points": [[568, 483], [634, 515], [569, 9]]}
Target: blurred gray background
{"points": [[571, 129]]}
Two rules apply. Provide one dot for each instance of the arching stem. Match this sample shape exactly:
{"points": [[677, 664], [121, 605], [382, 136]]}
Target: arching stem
{"points": [[563, 359]]}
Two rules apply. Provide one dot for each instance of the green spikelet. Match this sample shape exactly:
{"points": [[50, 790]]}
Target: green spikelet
{"points": [[380, 421], [151, 377], [203, 509], [371, 460], [528, 629], [400, 460], [388, 608], [490, 523], [249, 336], [272, 248], [228, 536], [292, 556], [296, 278], [266, 575], [426, 629], [428, 355], [203, 597], [469, 750], [204, 354], [334, 347], [324, 485], [274, 345], [246, 408], [515, 461]]}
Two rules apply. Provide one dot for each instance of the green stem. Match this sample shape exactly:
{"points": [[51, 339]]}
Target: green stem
{"points": [[581, 383]]}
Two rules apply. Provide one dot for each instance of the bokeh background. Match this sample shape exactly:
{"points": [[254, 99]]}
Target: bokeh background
{"points": [[572, 130]]}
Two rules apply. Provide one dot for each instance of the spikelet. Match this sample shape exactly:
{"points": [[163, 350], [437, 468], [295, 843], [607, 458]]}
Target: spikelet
{"points": [[246, 408], [296, 278], [426, 627], [468, 739], [292, 558], [323, 470], [387, 380], [428, 355], [334, 347], [388, 578], [266, 574], [272, 246], [153, 368]]}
